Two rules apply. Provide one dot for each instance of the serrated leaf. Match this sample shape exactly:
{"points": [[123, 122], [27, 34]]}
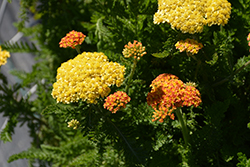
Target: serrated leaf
{"points": [[214, 59], [241, 62], [51, 109], [9, 129], [127, 23], [19, 47], [248, 125], [161, 55]]}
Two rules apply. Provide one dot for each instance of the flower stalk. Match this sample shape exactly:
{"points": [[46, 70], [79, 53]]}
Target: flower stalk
{"points": [[78, 49], [184, 129], [131, 74], [234, 73]]}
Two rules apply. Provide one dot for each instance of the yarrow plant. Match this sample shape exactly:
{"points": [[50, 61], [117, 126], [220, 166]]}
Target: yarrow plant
{"points": [[87, 77], [191, 15], [3, 56], [101, 115], [169, 93], [116, 101], [73, 124], [189, 45], [135, 50], [72, 39]]}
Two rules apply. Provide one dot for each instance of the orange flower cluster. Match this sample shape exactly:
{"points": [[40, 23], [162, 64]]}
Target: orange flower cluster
{"points": [[135, 50], [189, 45], [72, 39], [168, 93], [116, 101]]}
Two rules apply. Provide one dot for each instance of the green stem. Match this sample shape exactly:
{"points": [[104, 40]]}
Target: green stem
{"points": [[118, 130], [183, 123], [131, 75], [198, 65], [78, 49], [125, 140]]}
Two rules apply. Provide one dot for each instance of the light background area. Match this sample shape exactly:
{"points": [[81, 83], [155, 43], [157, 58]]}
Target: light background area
{"points": [[9, 13]]}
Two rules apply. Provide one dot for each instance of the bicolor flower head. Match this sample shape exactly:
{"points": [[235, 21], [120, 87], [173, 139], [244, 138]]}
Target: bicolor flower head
{"points": [[73, 124], [135, 50], [116, 101], [168, 93], [3, 56], [189, 45], [86, 77], [190, 16], [72, 39], [248, 39]]}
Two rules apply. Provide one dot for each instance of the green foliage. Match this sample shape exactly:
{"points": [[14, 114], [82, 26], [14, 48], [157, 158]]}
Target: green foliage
{"points": [[19, 47], [244, 162]]}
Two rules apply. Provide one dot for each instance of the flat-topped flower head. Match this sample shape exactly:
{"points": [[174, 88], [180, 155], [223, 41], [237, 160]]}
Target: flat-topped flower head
{"points": [[190, 16], [116, 101], [72, 39], [3, 56], [86, 77], [73, 124], [135, 50], [189, 45], [168, 93]]}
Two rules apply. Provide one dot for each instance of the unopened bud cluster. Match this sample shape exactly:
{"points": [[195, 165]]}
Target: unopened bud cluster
{"points": [[135, 50], [72, 39], [189, 16], [73, 124], [116, 101], [189, 45]]}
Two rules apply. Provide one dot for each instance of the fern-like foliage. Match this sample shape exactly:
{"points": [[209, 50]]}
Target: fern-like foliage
{"points": [[33, 153], [244, 162], [8, 106], [20, 47], [77, 151]]}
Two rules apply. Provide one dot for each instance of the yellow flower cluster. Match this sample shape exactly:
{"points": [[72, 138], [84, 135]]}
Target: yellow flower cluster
{"points": [[189, 45], [87, 77], [3, 56], [190, 16], [73, 124]]}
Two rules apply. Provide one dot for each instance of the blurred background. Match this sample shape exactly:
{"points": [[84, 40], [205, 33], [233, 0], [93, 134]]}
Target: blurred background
{"points": [[9, 13]]}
